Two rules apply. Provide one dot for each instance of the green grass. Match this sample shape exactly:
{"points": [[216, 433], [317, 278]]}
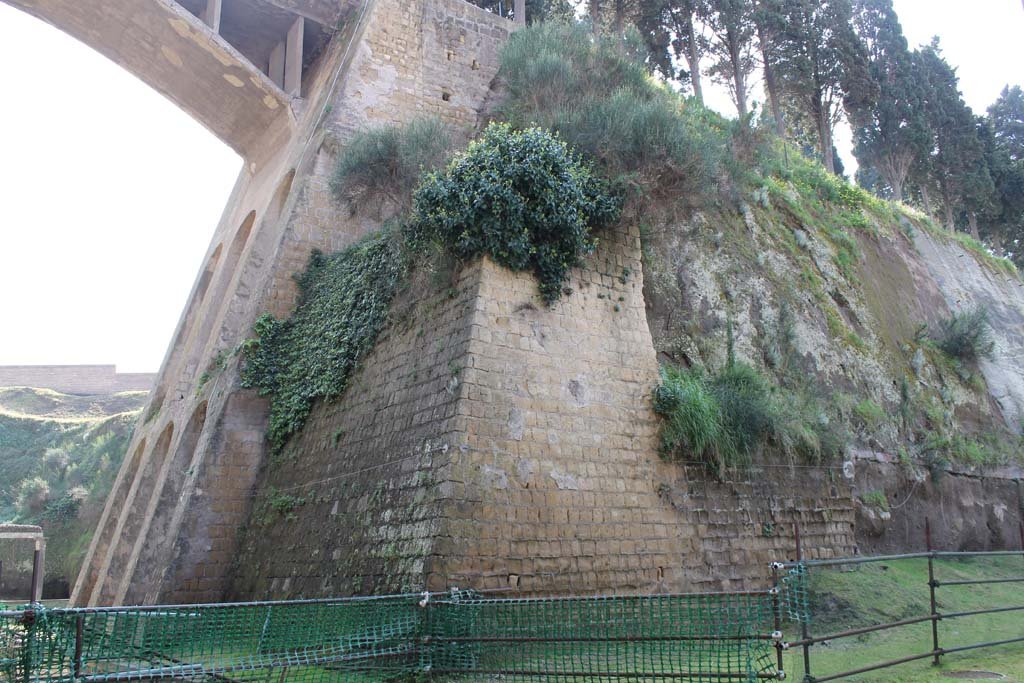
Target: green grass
{"points": [[878, 593]]}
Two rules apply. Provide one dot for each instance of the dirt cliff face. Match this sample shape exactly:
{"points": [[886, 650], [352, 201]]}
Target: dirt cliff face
{"points": [[842, 302]]}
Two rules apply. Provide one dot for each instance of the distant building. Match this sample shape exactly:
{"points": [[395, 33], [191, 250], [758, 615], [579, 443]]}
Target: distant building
{"points": [[76, 379]]}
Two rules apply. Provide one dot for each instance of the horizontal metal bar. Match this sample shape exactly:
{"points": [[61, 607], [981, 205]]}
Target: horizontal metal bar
{"points": [[976, 582], [596, 675], [866, 629], [939, 554], [875, 667], [854, 560], [597, 598], [978, 553], [971, 613], [977, 646], [592, 639]]}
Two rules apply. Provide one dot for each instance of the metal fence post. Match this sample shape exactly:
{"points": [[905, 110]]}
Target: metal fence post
{"points": [[931, 590], [79, 627], [777, 608], [805, 631]]}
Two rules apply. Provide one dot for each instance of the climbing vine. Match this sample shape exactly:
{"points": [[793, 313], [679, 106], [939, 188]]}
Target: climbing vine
{"points": [[343, 305]]}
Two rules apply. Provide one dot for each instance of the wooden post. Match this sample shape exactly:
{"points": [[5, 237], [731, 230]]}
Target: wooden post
{"points": [[38, 563]]}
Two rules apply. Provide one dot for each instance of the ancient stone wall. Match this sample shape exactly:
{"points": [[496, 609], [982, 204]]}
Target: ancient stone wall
{"points": [[493, 442], [487, 440], [75, 379]]}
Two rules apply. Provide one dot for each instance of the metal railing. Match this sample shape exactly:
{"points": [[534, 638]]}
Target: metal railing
{"points": [[934, 616], [691, 636]]}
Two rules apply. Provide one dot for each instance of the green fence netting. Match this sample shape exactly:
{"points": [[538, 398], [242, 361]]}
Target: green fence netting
{"points": [[456, 635], [795, 594]]}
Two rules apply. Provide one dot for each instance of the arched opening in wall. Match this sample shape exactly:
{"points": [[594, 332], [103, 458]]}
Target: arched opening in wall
{"points": [[280, 197], [117, 497], [184, 329], [223, 280], [151, 561], [132, 516]]}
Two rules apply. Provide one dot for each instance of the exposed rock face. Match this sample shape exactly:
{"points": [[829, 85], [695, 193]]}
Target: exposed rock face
{"points": [[964, 282]]}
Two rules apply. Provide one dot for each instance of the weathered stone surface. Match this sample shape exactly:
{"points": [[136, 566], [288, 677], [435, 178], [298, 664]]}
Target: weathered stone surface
{"points": [[487, 440], [170, 530], [966, 283]]}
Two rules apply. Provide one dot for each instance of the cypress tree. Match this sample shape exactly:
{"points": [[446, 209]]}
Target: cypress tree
{"points": [[730, 45], [822, 64], [891, 132]]}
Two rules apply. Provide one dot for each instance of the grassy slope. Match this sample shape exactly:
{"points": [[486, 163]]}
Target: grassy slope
{"points": [[93, 431], [881, 593]]}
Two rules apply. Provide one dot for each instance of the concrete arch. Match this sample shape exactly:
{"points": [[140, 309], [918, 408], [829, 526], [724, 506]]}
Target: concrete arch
{"points": [[280, 197], [178, 55], [130, 520], [105, 530], [149, 554], [185, 328], [226, 273]]}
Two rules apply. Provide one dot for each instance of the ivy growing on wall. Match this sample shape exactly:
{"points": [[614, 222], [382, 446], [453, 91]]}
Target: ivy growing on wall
{"points": [[520, 197], [343, 305]]}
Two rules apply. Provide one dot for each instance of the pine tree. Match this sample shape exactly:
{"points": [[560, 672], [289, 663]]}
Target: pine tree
{"points": [[731, 45], [686, 45], [891, 132], [1007, 118], [822, 65]]}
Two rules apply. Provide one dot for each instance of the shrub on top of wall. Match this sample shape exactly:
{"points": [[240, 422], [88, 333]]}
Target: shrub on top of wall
{"points": [[597, 94], [387, 163], [520, 197]]}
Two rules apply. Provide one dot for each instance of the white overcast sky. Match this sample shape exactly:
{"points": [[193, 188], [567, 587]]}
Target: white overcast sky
{"points": [[109, 194]]}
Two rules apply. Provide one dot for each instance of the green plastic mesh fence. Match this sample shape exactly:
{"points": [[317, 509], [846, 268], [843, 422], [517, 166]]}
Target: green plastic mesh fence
{"points": [[699, 637], [796, 594], [693, 637]]}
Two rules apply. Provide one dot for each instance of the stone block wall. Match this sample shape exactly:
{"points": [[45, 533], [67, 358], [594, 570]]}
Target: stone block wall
{"points": [[493, 442], [488, 440], [557, 485], [353, 503]]}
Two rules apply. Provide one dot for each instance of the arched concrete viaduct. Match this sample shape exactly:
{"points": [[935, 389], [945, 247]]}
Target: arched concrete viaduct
{"points": [[284, 83]]}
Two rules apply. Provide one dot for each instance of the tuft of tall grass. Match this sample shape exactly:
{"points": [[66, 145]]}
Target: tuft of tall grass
{"points": [[597, 94], [723, 420], [693, 419], [966, 336], [387, 163]]}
